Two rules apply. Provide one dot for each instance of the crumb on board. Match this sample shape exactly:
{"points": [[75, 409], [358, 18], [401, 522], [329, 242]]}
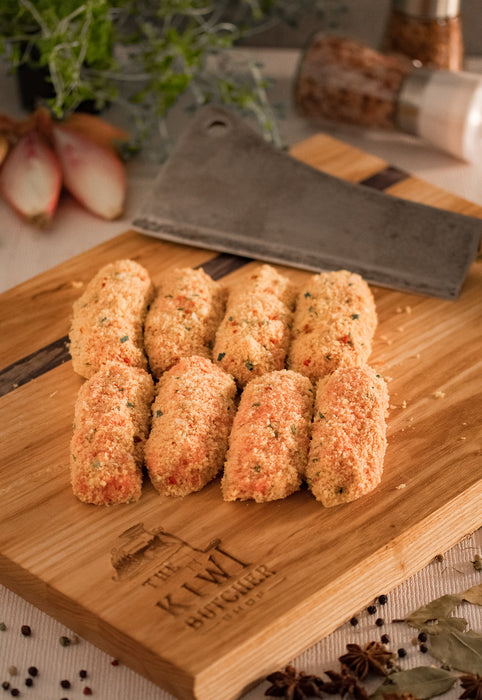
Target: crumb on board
{"points": [[400, 487], [77, 284], [438, 394]]}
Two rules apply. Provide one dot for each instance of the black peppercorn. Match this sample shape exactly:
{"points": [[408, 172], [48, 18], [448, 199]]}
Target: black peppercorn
{"points": [[15, 692], [26, 630], [423, 648], [379, 622], [5, 685], [83, 674], [422, 637], [33, 671], [65, 684], [354, 622], [382, 599], [64, 641], [385, 639], [29, 682], [401, 653], [371, 610]]}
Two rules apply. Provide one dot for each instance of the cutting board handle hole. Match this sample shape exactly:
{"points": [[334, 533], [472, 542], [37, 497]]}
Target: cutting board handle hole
{"points": [[217, 127]]}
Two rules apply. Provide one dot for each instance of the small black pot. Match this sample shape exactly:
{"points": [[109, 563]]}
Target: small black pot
{"points": [[34, 86]]}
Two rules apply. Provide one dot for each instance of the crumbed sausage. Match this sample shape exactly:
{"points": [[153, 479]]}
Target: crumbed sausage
{"points": [[269, 441], [254, 335], [334, 323], [183, 318], [112, 417], [191, 420], [348, 438], [108, 318]]}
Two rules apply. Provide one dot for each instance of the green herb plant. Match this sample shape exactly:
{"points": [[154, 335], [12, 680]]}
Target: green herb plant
{"points": [[146, 54]]}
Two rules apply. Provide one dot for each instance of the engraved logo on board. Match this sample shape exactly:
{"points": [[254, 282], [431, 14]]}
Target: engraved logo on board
{"points": [[199, 587]]}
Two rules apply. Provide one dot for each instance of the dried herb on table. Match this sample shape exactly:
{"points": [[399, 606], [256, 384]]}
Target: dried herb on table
{"points": [[472, 686], [292, 685], [343, 683], [421, 682], [362, 660], [450, 643]]}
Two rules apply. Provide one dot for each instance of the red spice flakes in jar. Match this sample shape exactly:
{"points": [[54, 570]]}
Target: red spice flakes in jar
{"points": [[345, 81], [426, 31]]}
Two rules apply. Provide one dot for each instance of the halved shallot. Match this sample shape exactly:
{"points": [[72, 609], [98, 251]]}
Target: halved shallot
{"points": [[91, 173], [30, 179]]}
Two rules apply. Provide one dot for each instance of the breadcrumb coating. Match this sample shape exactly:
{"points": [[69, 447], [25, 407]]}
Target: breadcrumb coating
{"points": [[348, 439], [112, 418], [265, 279], [254, 335], [108, 318], [269, 441], [334, 324], [183, 318], [192, 416]]}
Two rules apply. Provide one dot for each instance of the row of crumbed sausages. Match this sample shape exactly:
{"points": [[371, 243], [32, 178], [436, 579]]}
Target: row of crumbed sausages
{"points": [[322, 420]]}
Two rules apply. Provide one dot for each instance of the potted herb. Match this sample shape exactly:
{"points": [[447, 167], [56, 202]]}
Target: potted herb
{"points": [[143, 54]]}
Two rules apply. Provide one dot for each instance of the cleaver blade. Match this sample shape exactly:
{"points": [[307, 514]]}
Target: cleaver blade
{"points": [[225, 188]]}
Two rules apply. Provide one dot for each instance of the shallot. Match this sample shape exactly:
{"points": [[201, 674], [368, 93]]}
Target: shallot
{"points": [[30, 178], [93, 174]]}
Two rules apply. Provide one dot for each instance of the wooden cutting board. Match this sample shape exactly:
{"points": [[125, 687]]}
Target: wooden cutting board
{"points": [[205, 597]]}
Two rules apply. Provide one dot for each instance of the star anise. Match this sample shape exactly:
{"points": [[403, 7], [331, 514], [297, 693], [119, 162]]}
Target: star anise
{"points": [[361, 660], [291, 685], [344, 682], [472, 685]]}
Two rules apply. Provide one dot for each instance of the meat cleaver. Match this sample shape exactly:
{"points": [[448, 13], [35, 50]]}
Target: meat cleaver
{"points": [[225, 188]]}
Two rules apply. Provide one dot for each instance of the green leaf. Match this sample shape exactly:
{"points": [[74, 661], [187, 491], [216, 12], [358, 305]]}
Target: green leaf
{"points": [[421, 682], [460, 650]]}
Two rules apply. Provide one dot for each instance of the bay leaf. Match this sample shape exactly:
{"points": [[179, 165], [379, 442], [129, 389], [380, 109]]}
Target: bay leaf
{"points": [[440, 610], [460, 650], [422, 682], [473, 595]]}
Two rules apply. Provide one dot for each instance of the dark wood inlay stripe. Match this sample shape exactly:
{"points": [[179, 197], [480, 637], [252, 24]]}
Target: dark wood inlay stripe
{"points": [[223, 264], [34, 365], [385, 178]]}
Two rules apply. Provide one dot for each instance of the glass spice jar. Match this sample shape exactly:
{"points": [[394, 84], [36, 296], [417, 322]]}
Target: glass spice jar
{"points": [[429, 31], [343, 80]]}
